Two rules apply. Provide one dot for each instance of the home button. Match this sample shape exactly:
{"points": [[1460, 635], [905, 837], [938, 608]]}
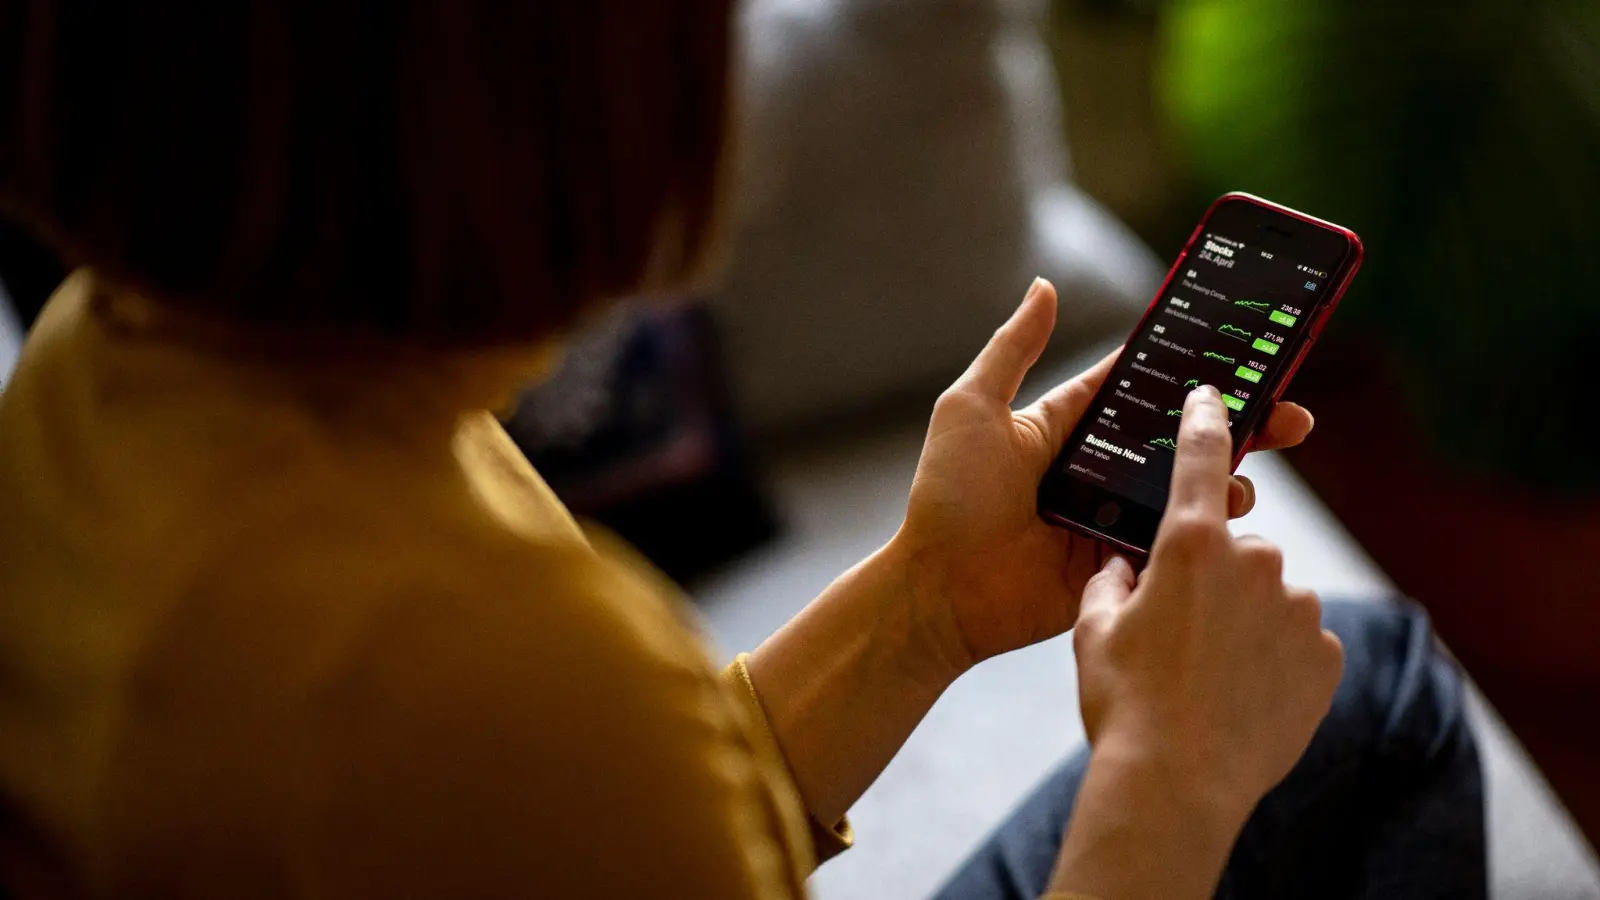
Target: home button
{"points": [[1107, 514]]}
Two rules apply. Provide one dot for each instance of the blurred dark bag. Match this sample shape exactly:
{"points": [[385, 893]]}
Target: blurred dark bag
{"points": [[635, 430]]}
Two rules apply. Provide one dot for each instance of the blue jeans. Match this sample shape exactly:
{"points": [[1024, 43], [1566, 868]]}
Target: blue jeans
{"points": [[1386, 803]]}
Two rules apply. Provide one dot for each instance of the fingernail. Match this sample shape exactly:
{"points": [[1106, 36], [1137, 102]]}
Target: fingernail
{"points": [[1206, 387], [1038, 285]]}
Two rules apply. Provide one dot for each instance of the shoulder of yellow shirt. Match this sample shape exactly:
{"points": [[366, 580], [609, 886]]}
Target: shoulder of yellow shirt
{"points": [[552, 722]]}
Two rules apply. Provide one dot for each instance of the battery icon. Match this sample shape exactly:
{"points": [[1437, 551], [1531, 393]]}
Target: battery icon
{"points": [[1248, 374], [1283, 318], [1234, 403], [1265, 346]]}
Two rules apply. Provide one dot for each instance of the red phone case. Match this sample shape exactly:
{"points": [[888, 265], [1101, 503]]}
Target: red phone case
{"points": [[1347, 272]]}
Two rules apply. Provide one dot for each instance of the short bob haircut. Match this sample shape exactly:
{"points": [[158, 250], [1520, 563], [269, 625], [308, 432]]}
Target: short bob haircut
{"points": [[464, 173]]}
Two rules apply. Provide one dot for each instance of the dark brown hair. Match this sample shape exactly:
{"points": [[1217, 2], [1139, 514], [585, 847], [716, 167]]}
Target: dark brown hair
{"points": [[464, 172]]}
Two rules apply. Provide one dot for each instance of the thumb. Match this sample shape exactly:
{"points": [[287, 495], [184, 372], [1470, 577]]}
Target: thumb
{"points": [[1001, 364], [1105, 593], [1058, 410]]}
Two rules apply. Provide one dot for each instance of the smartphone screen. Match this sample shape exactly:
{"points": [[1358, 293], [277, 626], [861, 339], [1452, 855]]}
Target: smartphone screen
{"points": [[1238, 312]]}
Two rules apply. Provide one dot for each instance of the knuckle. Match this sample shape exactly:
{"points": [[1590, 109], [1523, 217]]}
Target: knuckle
{"points": [[1332, 656], [1194, 533], [1008, 342], [954, 401], [1091, 626], [1261, 558], [1082, 633], [1076, 394], [1306, 599], [1204, 434], [1305, 610]]}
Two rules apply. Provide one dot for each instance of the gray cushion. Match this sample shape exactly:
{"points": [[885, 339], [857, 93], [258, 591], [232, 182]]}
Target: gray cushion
{"points": [[901, 179]]}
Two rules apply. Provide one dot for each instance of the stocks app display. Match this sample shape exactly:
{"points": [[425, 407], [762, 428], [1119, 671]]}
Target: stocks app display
{"points": [[1232, 318]]}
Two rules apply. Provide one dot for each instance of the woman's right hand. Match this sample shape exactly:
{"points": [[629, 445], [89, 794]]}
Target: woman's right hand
{"points": [[1201, 684]]}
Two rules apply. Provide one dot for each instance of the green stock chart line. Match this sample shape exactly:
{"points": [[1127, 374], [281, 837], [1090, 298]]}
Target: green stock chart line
{"points": [[1260, 306], [1212, 354], [1168, 443], [1238, 334]]}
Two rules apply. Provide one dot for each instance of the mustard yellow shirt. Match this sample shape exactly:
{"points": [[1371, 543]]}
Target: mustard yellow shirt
{"points": [[292, 627]]}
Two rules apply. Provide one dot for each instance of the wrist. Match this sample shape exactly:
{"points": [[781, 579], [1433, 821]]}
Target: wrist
{"points": [[1196, 791], [935, 650], [845, 682], [1136, 807]]}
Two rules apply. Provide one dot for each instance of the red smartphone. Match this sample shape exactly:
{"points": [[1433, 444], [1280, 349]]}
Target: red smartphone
{"points": [[1240, 309]]}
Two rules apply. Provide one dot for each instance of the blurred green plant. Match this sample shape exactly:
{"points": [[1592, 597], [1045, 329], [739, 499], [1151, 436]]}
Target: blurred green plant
{"points": [[1461, 139]]}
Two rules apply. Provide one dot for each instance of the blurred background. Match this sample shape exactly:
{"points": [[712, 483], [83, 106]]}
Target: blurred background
{"points": [[905, 167]]}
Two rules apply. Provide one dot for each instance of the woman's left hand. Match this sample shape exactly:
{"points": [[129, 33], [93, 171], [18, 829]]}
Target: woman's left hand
{"points": [[987, 573]]}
